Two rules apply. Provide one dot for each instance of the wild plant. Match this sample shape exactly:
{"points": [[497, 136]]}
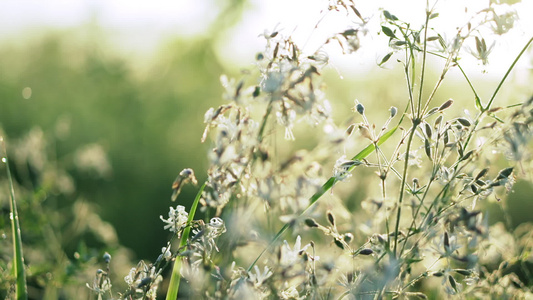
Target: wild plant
{"points": [[426, 171], [426, 222]]}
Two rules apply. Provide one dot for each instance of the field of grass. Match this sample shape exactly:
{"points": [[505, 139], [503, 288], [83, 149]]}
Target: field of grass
{"points": [[290, 182]]}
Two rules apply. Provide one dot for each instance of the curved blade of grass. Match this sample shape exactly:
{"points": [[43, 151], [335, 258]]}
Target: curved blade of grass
{"points": [[173, 287], [326, 187], [18, 265], [507, 74]]}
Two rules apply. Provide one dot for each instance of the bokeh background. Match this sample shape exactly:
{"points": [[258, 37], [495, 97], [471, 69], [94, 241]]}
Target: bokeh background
{"points": [[115, 92]]}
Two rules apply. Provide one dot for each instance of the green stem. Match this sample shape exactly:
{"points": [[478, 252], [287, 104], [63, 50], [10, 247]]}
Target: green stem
{"points": [[423, 72], [18, 265], [507, 74], [402, 187], [175, 279], [326, 187]]}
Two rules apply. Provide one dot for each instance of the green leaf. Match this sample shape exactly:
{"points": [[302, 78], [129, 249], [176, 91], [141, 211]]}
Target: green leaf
{"points": [[478, 104], [18, 257], [388, 32], [326, 187], [385, 58], [389, 16]]}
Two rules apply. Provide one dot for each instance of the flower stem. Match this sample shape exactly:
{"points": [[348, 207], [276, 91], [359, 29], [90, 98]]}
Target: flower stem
{"points": [[173, 287]]}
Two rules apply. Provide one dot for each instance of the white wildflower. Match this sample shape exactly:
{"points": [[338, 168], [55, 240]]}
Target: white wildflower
{"points": [[290, 256], [177, 219]]}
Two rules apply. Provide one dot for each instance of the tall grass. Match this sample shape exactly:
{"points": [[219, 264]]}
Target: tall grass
{"points": [[19, 272]]}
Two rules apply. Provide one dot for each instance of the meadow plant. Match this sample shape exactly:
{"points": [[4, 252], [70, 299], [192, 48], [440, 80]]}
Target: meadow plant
{"points": [[421, 232], [275, 227]]}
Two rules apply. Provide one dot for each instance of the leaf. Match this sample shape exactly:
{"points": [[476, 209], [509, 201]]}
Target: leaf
{"points": [[478, 104], [389, 16], [388, 32], [400, 43], [433, 16], [386, 58], [18, 269]]}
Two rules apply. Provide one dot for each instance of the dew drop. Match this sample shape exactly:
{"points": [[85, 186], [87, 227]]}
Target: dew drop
{"points": [[11, 216], [26, 93], [4, 159]]}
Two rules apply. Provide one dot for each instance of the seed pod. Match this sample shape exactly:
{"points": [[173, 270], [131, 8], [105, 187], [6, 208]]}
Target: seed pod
{"points": [[257, 92], [311, 222], [452, 282], [464, 122], [467, 155], [474, 188], [432, 111], [481, 174], [428, 130], [107, 257], [331, 218], [145, 281], [366, 251], [393, 111], [504, 173], [493, 110], [427, 147], [360, 108], [438, 274], [305, 257], [339, 244], [348, 237], [350, 130], [445, 105], [365, 132], [460, 149], [438, 121], [446, 138], [463, 272]]}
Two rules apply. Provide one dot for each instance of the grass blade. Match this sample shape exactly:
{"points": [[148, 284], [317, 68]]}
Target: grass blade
{"points": [[175, 279], [325, 187], [18, 265]]}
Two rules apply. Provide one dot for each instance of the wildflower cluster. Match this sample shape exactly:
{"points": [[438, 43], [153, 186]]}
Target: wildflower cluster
{"points": [[421, 230]]}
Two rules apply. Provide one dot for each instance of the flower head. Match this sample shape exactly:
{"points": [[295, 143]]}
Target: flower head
{"points": [[177, 219]]}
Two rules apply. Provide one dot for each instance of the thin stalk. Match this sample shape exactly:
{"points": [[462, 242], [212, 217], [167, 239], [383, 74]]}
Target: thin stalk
{"points": [[18, 264], [489, 104], [423, 72], [402, 186], [326, 187], [507, 74], [175, 279]]}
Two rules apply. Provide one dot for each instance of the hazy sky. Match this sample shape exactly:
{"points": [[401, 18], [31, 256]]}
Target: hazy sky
{"points": [[140, 27]]}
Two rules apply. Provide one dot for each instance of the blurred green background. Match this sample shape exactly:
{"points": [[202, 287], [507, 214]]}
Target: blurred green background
{"points": [[149, 122], [146, 115]]}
